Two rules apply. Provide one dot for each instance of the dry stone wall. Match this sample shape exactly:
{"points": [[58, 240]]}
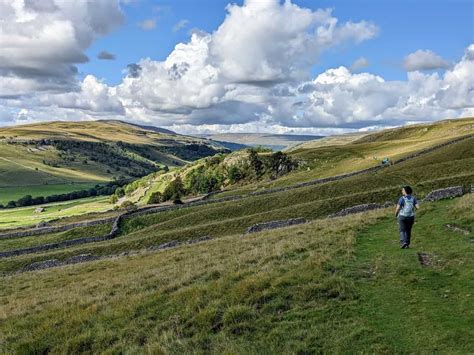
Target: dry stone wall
{"points": [[356, 209], [275, 224], [441, 194], [49, 230]]}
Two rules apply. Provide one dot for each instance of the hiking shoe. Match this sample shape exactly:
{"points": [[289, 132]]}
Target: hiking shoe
{"points": [[404, 246]]}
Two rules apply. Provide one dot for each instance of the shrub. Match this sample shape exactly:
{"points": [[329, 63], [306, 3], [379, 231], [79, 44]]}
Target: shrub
{"points": [[174, 191], [113, 199], [128, 205], [155, 197]]}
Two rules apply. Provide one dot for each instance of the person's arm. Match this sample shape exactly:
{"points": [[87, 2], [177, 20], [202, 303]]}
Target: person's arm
{"points": [[399, 205], [397, 210], [417, 206]]}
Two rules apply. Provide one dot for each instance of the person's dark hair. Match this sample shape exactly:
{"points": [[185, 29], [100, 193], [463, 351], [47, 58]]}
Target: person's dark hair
{"points": [[408, 189]]}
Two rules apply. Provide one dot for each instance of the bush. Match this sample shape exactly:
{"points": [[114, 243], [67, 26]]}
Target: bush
{"points": [[128, 205], [155, 197], [174, 191], [113, 199]]}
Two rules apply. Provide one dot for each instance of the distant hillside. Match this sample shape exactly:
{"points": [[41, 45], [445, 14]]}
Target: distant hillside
{"points": [[66, 153], [266, 140], [324, 157], [210, 174]]}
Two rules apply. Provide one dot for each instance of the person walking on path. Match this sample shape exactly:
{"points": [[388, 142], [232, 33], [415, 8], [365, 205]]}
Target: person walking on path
{"points": [[405, 212]]}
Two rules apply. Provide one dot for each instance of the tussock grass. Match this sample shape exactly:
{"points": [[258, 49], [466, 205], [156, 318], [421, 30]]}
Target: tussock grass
{"points": [[211, 292], [320, 287]]}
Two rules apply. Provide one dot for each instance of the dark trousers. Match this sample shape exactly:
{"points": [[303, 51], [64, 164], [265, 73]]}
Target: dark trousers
{"points": [[406, 224]]}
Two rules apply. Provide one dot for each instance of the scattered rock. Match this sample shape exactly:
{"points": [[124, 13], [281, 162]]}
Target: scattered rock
{"points": [[175, 243], [275, 224], [198, 240], [456, 228], [42, 265], [80, 259], [172, 244], [424, 259], [356, 209], [441, 194], [42, 224]]}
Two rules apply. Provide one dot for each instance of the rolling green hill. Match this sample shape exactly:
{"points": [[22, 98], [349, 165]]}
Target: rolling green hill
{"points": [[64, 153], [311, 160], [321, 287], [342, 154]]}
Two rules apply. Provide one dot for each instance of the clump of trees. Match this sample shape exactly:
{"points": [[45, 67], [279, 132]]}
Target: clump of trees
{"points": [[214, 174], [260, 164]]}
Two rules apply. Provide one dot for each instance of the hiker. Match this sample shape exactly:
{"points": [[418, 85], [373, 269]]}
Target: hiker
{"points": [[405, 212]]}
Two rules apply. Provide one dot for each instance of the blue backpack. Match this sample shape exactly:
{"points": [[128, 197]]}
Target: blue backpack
{"points": [[408, 208]]}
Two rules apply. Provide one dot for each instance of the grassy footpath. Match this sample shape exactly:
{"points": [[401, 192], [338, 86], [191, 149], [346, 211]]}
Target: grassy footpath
{"points": [[338, 287], [416, 308]]}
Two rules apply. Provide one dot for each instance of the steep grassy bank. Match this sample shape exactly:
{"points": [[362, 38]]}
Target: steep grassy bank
{"points": [[340, 287]]}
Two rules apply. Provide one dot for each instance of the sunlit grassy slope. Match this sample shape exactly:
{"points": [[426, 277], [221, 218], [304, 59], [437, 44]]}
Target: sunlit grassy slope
{"points": [[106, 130], [448, 166], [322, 287], [329, 286], [339, 155], [26, 216], [61, 153]]}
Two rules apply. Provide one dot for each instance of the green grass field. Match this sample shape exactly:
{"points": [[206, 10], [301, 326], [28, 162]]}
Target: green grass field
{"points": [[338, 288], [14, 193], [329, 286], [26, 216], [449, 166]]}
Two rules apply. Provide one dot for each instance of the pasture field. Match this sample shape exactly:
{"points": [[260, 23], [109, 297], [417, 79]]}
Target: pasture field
{"points": [[20, 166], [328, 286], [14, 193], [318, 287], [449, 166], [26, 216]]}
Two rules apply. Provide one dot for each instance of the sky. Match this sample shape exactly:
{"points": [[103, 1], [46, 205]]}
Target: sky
{"points": [[309, 67]]}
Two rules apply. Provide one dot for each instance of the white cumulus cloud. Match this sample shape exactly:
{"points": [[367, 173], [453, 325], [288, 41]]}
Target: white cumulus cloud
{"points": [[424, 60], [252, 73]]}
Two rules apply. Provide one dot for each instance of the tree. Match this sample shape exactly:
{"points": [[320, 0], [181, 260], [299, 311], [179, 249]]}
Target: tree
{"points": [[255, 163], [174, 191], [11, 204], [235, 174], [25, 201], [120, 192], [113, 199], [155, 197]]}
